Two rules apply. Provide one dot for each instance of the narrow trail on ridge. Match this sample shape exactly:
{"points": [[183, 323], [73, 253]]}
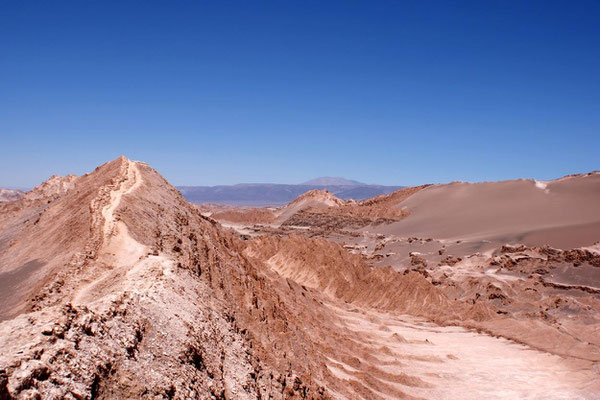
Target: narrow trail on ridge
{"points": [[119, 252]]}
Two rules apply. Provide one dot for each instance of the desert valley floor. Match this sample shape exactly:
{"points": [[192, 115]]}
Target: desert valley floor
{"points": [[114, 286]]}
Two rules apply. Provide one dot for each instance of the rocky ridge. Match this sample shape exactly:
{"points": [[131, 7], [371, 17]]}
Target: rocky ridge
{"points": [[136, 294]]}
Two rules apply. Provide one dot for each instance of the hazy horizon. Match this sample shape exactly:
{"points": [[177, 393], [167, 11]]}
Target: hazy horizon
{"points": [[219, 94], [305, 183]]}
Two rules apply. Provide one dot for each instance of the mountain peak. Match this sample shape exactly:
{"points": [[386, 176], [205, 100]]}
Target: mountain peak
{"points": [[332, 180]]}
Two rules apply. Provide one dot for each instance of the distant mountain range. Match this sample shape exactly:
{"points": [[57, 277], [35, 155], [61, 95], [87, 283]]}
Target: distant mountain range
{"points": [[273, 194], [332, 181], [10, 195]]}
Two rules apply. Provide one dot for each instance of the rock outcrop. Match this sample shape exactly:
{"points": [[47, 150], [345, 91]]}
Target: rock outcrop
{"points": [[138, 295]]}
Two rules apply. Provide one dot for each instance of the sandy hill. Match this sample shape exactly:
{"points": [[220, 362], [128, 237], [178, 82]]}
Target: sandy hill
{"points": [[97, 278], [562, 213], [113, 286], [318, 199]]}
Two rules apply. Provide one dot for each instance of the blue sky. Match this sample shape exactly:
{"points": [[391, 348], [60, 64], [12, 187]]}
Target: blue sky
{"points": [[227, 92]]}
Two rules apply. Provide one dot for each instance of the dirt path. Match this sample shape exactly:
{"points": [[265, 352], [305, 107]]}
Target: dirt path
{"points": [[457, 363], [132, 181], [120, 252]]}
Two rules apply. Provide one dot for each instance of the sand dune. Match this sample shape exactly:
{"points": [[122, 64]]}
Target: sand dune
{"points": [[564, 213]]}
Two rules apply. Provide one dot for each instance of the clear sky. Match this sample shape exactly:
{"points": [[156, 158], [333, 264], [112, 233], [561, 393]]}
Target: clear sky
{"points": [[220, 92]]}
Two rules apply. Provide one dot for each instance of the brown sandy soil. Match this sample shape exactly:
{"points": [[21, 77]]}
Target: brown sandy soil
{"points": [[563, 213], [148, 299], [379, 301], [50, 225], [459, 364], [115, 287], [454, 236], [314, 199], [545, 298], [136, 294], [237, 214], [246, 216], [489, 292]]}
